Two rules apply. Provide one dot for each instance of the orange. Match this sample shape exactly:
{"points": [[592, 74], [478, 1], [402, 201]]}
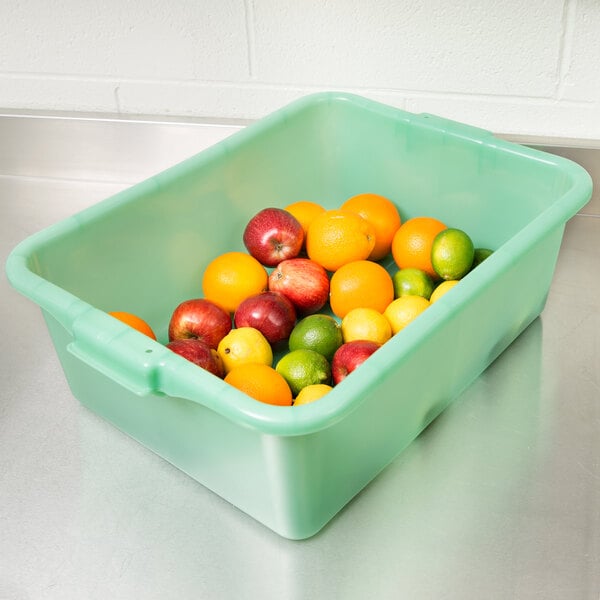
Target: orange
{"points": [[337, 237], [261, 382], [360, 284], [411, 246], [135, 322], [305, 211], [232, 277], [383, 216]]}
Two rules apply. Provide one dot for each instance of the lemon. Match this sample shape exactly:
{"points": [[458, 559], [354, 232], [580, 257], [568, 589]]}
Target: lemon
{"points": [[320, 333], [404, 310], [412, 282], [366, 324], [452, 254], [310, 393], [441, 289], [304, 367], [242, 346]]}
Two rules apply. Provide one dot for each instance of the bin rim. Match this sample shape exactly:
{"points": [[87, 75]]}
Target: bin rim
{"points": [[169, 375]]}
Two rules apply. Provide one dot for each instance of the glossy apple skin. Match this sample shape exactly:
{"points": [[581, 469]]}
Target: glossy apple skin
{"points": [[303, 281], [350, 356], [200, 353], [273, 235], [202, 319], [272, 313]]}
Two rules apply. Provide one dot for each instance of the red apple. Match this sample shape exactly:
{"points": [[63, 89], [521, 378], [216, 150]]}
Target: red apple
{"points": [[303, 281], [273, 235], [200, 353], [272, 313], [349, 356], [202, 319]]}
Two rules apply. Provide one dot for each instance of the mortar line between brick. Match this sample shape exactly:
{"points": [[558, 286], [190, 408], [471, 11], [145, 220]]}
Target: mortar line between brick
{"points": [[566, 45], [117, 99], [282, 86], [250, 39], [262, 85]]}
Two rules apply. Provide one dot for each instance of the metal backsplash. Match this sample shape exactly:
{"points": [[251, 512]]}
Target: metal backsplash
{"points": [[124, 150]]}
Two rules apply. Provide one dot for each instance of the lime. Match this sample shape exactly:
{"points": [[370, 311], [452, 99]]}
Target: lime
{"points": [[404, 310], [452, 254], [441, 289], [244, 345], [366, 324], [480, 255], [310, 393], [319, 332], [412, 282], [304, 367]]}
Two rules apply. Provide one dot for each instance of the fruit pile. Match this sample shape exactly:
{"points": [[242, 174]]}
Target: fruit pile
{"points": [[312, 289]]}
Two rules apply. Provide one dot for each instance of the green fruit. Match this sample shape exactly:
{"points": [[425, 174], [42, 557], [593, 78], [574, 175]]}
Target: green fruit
{"points": [[303, 367], [452, 254], [412, 282], [480, 255], [320, 333]]}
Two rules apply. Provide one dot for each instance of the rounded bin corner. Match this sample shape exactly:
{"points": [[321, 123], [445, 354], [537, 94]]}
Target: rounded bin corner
{"points": [[15, 268]]}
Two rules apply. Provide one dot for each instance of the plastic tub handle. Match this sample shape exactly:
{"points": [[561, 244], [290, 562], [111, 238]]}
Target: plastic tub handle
{"points": [[136, 362], [116, 350]]}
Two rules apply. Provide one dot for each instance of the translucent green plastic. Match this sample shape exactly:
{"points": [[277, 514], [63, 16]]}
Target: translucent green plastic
{"points": [[144, 250]]}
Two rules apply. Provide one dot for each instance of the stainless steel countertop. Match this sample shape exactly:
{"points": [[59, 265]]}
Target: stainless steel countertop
{"points": [[498, 499]]}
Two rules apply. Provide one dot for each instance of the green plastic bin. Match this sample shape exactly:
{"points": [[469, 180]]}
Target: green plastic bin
{"points": [[144, 250]]}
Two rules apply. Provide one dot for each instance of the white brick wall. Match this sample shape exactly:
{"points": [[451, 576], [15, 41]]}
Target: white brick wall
{"points": [[509, 66]]}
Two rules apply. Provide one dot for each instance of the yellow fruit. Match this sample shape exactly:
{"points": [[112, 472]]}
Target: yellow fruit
{"points": [[337, 237], [404, 310], [310, 393], [244, 345], [366, 324], [261, 382], [360, 284], [442, 289], [231, 278], [382, 214]]}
